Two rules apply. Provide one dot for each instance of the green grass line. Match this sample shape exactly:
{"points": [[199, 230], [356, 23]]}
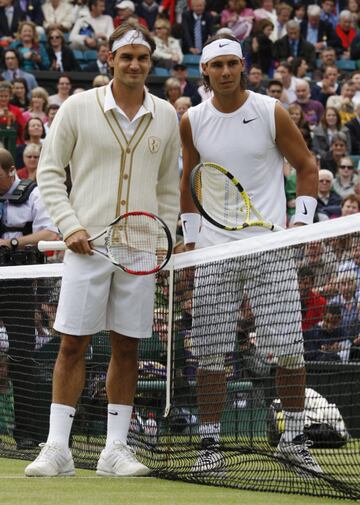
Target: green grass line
{"points": [[86, 489]]}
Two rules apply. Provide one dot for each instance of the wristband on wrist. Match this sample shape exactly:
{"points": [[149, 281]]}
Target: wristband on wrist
{"points": [[305, 208], [191, 226]]}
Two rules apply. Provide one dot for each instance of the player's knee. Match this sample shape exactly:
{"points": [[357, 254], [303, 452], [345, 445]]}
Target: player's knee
{"points": [[73, 349], [291, 362], [212, 363]]}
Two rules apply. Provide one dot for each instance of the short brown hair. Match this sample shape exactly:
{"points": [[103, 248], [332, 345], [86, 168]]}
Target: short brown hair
{"points": [[6, 160], [120, 31], [350, 198]]}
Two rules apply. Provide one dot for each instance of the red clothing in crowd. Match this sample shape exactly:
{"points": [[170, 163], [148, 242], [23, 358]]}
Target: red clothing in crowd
{"points": [[15, 115], [23, 173], [345, 37], [315, 307]]}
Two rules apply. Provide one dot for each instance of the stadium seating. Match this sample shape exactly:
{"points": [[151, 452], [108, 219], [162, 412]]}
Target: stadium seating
{"points": [[348, 65]]}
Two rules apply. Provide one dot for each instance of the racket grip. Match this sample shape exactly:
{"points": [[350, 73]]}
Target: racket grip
{"points": [[51, 245]]}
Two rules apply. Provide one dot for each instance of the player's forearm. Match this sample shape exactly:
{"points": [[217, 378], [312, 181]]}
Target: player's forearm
{"points": [[307, 179], [186, 201], [35, 237]]}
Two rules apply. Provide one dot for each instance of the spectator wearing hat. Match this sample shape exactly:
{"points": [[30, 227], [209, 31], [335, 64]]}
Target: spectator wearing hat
{"points": [[125, 11], [148, 10], [188, 88], [91, 30], [168, 51]]}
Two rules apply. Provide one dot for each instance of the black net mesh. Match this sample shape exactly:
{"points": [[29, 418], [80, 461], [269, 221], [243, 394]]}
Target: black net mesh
{"points": [[235, 320]]}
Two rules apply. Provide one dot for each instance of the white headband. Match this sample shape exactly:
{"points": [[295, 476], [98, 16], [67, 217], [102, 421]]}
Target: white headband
{"points": [[130, 37], [221, 47]]}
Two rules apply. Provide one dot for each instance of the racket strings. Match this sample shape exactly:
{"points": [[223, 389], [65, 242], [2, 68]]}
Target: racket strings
{"points": [[138, 243], [219, 197]]}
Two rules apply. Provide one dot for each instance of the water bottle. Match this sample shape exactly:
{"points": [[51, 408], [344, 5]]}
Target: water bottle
{"points": [[150, 429]]}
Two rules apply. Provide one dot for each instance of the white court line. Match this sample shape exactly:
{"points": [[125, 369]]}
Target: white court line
{"points": [[3, 477]]}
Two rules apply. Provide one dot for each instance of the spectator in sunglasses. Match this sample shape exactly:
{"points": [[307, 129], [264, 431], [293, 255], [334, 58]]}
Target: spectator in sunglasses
{"points": [[344, 181]]}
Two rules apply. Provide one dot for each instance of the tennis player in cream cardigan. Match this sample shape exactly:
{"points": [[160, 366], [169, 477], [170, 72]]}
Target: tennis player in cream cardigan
{"points": [[122, 145]]}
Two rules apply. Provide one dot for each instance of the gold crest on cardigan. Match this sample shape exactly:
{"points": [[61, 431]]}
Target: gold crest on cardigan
{"points": [[154, 144]]}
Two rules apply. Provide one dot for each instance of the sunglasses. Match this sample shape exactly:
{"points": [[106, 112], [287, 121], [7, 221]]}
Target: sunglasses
{"points": [[31, 156], [350, 167], [324, 180], [55, 37]]}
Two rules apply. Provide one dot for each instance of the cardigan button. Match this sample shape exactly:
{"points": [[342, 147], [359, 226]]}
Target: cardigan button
{"points": [[123, 202], [126, 176], [128, 150]]}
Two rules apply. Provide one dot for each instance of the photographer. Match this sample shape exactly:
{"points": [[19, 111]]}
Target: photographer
{"points": [[24, 221]]}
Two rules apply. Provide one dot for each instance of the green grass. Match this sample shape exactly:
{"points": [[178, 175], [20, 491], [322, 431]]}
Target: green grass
{"points": [[87, 489]]}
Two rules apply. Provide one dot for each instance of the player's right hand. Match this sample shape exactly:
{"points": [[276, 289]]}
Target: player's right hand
{"points": [[79, 243]]}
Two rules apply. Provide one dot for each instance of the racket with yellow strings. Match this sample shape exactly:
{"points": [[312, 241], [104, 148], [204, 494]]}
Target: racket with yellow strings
{"points": [[222, 200]]}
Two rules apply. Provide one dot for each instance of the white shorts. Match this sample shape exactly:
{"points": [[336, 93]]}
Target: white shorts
{"points": [[270, 281], [95, 295]]}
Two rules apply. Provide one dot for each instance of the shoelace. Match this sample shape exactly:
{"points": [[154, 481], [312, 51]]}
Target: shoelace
{"points": [[47, 451], [126, 452]]}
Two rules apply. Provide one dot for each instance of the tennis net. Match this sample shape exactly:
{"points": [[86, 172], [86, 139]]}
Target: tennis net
{"points": [[233, 311]]}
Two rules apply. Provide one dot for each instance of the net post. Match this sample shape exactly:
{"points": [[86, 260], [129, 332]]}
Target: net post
{"points": [[169, 360]]}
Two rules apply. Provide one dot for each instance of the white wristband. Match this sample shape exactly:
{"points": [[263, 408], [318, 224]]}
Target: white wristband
{"points": [[305, 207], [191, 226]]}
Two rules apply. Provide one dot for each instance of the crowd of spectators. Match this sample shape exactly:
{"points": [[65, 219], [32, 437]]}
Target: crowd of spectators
{"points": [[307, 55]]}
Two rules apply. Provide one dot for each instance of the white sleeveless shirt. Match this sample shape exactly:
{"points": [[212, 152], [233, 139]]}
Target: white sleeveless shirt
{"points": [[243, 141]]}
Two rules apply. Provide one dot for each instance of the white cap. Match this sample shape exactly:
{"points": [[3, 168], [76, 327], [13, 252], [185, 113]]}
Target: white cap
{"points": [[126, 4]]}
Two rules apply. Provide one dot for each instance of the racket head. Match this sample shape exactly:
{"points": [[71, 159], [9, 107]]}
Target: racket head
{"points": [[220, 197], [139, 243]]}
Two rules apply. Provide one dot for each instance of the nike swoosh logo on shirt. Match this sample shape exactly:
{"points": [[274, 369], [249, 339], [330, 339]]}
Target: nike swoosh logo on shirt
{"points": [[246, 121]]}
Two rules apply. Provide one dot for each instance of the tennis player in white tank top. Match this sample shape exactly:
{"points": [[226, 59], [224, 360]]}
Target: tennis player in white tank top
{"points": [[249, 134]]}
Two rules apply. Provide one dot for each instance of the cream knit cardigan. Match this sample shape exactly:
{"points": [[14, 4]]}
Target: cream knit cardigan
{"points": [[109, 174]]}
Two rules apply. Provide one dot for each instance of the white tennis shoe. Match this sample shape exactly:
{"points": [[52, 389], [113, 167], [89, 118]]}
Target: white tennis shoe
{"points": [[297, 451], [53, 461], [119, 460]]}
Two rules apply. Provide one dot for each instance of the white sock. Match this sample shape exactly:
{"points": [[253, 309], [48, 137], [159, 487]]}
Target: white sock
{"points": [[118, 423], [61, 419], [294, 425], [210, 430]]}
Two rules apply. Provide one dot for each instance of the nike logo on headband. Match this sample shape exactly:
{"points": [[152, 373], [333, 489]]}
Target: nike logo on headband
{"points": [[223, 45]]}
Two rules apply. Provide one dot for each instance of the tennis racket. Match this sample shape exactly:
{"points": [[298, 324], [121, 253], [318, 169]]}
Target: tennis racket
{"points": [[222, 200], [137, 242]]}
